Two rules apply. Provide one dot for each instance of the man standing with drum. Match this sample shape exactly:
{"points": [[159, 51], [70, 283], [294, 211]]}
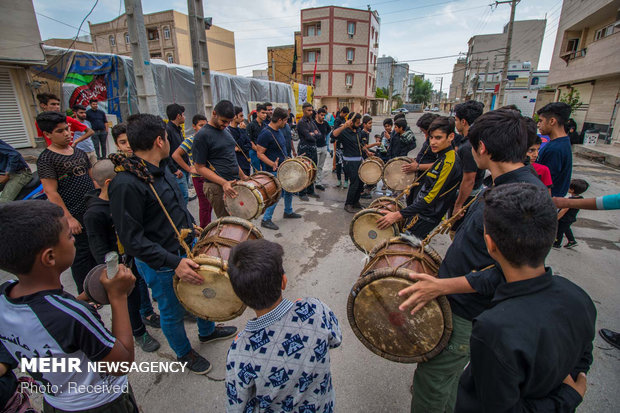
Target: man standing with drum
{"points": [[308, 135], [349, 137], [271, 150], [214, 157], [254, 129], [145, 231]]}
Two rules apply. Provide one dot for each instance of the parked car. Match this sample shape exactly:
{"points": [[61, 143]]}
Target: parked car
{"points": [[436, 109], [399, 110]]}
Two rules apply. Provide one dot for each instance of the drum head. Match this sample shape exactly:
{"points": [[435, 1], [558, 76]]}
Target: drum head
{"points": [[370, 172], [248, 204], [293, 176], [364, 231], [405, 252], [373, 313], [383, 200], [394, 177], [214, 300], [231, 228]]}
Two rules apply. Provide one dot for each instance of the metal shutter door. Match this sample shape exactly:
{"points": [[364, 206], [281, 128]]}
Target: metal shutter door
{"points": [[12, 126]]}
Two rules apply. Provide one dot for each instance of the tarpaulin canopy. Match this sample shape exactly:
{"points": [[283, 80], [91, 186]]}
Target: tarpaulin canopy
{"points": [[109, 78]]}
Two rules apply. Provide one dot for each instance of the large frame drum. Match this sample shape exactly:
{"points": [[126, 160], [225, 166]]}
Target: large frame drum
{"points": [[296, 174], [394, 177], [364, 232], [387, 203], [255, 195], [404, 251], [371, 170], [372, 310], [215, 299]]}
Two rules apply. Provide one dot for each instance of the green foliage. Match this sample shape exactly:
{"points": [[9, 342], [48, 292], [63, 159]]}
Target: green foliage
{"points": [[382, 93], [420, 91], [573, 99]]}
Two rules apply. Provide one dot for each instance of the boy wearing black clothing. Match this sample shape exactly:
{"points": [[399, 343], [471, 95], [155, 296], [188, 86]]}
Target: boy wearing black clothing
{"points": [[309, 134], [102, 239], [567, 216], [45, 321], [64, 174], [402, 140], [439, 188], [531, 362], [240, 135], [348, 136]]}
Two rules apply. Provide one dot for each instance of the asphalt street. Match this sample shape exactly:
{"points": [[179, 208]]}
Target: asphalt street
{"points": [[321, 261]]}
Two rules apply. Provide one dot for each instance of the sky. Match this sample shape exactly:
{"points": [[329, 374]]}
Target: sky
{"points": [[410, 29]]}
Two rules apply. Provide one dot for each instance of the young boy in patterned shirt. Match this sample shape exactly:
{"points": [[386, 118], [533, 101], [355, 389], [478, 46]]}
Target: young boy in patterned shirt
{"points": [[280, 361]]}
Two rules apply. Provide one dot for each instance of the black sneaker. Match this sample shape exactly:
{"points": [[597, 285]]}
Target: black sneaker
{"points": [[195, 362], [269, 225], [304, 197], [292, 215], [147, 343], [220, 333], [556, 246], [358, 206], [570, 244], [320, 187], [365, 196], [152, 321], [611, 337], [315, 196], [350, 209]]}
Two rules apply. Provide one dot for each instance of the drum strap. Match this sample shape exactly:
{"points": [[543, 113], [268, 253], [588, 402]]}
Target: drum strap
{"points": [[430, 267], [277, 143], [247, 158], [180, 235], [415, 183], [446, 225]]}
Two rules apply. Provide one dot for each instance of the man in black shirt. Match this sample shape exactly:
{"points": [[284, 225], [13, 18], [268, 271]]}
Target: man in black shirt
{"points": [[99, 123], [348, 135], [176, 118], [244, 146], [254, 129], [145, 232], [531, 362], [465, 115], [214, 157], [402, 140], [341, 117], [308, 136], [500, 141], [321, 146]]}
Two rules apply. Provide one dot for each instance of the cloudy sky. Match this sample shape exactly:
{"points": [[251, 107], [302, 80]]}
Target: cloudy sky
{"points": [[411, 30]]}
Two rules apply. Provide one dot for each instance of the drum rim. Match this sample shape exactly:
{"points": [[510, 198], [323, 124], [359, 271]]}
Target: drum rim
{"points": [[401, 158], [309, 179], [380, 273], [363, 212], [232, 220], [373, 159], [278, 187], [400, 239], [252, 187], [388, 198], [176, 281]]}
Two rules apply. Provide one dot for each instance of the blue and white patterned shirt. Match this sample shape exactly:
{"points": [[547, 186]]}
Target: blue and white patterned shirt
{"points": [[280, 361]]}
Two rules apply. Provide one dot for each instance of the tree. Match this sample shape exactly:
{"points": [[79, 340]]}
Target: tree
{"points": [[420, 91], [572, 99], [382, 93]]}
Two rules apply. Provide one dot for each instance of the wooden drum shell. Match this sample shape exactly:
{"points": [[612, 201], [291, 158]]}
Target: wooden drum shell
{"points": [[255, 195], [296, 174]]}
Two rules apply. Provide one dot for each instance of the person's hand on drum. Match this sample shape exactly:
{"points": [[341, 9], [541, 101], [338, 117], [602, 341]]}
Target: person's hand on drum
{"points": [[388, 219], [426, 288], [410, 167], [275, 164], [228, 189], [186, 271]]}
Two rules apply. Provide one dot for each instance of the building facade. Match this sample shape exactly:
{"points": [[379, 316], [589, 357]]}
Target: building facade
{"points": [[339, 47], [401, 76], [586, 59], [21, 48], [168, 36], [281, 59], [458, 80]]}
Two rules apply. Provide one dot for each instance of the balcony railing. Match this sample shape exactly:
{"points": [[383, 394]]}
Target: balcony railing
{"points": [[567, 57]]}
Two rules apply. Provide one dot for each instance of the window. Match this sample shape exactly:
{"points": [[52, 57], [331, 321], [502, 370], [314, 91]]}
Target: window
{"points": [[166, 32], [170, 58], [573, 45], [348, 79], [350, 55], [152, 34], [310, 56], [112, 40], [313, 29], [534, 81], [155, 55], [127, 41], [351, 28], [604, 32], [307, 79]]}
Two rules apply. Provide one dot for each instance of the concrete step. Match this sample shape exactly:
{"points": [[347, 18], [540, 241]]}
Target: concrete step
{"points": [[601, 152]]}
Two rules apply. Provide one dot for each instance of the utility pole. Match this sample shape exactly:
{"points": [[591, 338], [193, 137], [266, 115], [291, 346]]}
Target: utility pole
{"points": [[273, 69], [475, 88], [440, 88], [484, 85], [391, 88], [142, 70], [465, 79], [200, 58], [504, 75]]}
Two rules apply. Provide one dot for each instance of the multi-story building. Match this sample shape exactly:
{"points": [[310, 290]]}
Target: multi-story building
{"points": [[586, 59], [401, 75], [280, 61], [81, 43], [339, 48], [455, 93], [167, 33], [21, 49]]}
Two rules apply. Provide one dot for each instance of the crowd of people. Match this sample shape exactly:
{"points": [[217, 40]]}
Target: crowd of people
{"points": [[133, 200]]}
